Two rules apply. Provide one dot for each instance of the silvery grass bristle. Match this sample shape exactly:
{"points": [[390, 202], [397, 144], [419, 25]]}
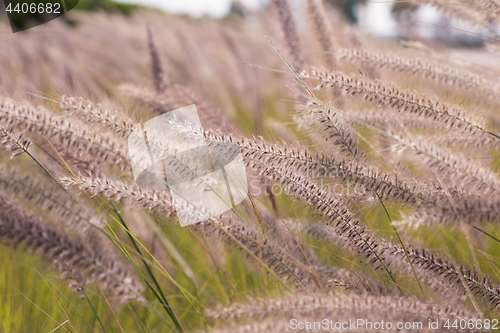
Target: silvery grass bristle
{"points": [[114, 120]]}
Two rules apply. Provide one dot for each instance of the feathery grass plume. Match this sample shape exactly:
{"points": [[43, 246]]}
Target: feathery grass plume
{"points": [[471, 210], [283, 252], [15, 144], [324, 203], [462, 171], [333, 127], [157, 71], [490, 9], [50, 198], [63, 132], [380, 93], [317, 306], [268, 190], [398, 264], [301, 161], [114, 120], [290, 31], [156, 201], [159, 103], [389, 120], [333, 210], [454, 139], [323, 30], [449, 273], [340, 277], [458, 78], [284, 265], [18, 227]]}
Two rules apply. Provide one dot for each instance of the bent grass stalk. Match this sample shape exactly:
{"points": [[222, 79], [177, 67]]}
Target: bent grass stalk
{"points": [[160, 297]]}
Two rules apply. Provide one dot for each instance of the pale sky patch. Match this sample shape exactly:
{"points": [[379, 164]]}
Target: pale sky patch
{"points": [[215, 8]]}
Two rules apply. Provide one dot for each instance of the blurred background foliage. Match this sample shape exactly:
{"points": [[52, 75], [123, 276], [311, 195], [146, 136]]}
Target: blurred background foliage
{"points": [[26, 20]]}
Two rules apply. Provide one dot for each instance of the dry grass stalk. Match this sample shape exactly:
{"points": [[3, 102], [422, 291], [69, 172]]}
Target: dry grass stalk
{"points": [[454, 139], [468, 192], [363, 242], [471, 210], [391, 120], [396, 263], [325, 204]]}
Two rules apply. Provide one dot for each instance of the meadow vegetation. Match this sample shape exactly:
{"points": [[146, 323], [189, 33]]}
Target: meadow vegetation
{"points": [[372, 166]]}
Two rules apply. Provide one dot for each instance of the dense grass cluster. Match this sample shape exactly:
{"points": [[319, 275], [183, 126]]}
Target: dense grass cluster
{"points": [[373, 176]]}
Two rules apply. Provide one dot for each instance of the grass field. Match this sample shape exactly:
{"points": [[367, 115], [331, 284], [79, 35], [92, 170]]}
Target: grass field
{"points": [[372, 168]]}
